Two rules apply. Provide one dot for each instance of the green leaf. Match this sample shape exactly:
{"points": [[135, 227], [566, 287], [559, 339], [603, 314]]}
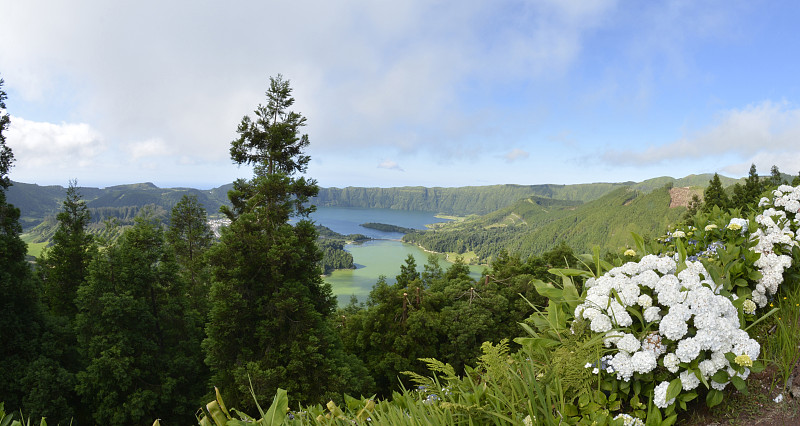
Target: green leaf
{"points": [[757, 367], [720, 376], [571, 410], [675, 387], [740, 384], [713, 398], [638, 241], [681, 253], [216, 413], [548, 290], [731, 357], [568, 272], [654, 416], [669, 421], [277, 411]]}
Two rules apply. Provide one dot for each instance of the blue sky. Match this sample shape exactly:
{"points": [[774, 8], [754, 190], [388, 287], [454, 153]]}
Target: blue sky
{"points": [[433, 93]]}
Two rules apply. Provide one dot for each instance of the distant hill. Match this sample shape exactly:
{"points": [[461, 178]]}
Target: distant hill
{"points": [[38, 202], [535, 225], [124, 201]]}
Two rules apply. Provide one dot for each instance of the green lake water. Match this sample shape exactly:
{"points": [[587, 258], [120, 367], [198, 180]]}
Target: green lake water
{"points": [[381, 256]]}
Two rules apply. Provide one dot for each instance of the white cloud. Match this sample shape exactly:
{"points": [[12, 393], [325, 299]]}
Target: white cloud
{"points": [[188, 71], [40, 145], [154, 147], [516, 154], [788, 161], [390, 165], [767, 127]]}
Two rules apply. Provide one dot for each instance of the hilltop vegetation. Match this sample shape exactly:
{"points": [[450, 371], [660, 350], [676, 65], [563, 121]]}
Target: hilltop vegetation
{"points": [[535, 225]]}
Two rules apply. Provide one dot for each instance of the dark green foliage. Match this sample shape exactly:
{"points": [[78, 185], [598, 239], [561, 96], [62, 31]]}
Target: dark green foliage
{"points": [[746, 196], [190, 237], [714, 195], [408, 272], [6, 156], [20, 309], [64, 265], [325, 232], [385, 227], [270, 310], [442, 314], [694, 207], [334, 256], [796, 180], [775, 178], [138, 333]]}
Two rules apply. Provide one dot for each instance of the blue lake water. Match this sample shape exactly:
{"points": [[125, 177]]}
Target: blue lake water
{"points": [[381, 256]]}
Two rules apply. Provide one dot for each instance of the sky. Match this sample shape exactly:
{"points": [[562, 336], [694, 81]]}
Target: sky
{"points": [[403, 93]]}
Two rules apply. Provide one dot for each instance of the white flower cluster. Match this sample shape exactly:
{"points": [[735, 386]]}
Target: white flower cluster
{"points": [[775, 230], [628, 420], [671, 302]]}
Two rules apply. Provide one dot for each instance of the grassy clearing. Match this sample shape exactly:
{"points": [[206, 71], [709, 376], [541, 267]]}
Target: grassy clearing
{"points": [[449, 217], [34, 249]]}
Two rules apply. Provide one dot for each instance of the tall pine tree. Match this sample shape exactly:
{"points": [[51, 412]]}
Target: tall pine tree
{"points": [[190, 237], [775, 178], [748, 194], [269, 319], [714, 195], [65, 264]]}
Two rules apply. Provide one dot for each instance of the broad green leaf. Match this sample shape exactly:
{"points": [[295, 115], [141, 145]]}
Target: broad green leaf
{"points": [[569, 272], [548, 290], [675, 387], [740, 384], [713, 398], [720, 376], [638, 241], [216, 413]]}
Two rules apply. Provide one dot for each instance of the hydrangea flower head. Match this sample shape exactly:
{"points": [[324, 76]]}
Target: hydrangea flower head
{"points": [[744, 360], [749, 307]]}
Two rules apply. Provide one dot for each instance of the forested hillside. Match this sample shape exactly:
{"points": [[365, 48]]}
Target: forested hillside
{"points": [[37, 202], [535, 225]]}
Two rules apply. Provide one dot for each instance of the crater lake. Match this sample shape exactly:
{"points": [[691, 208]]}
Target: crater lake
{"points": [[382, 255]]}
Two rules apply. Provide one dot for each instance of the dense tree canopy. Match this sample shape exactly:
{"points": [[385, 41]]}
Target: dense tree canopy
{"points": [[190, 238], [270, 310], [20, 306], [138, 333]]}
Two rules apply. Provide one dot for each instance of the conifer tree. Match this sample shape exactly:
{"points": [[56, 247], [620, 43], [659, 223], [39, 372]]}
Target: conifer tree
{"points": [[20, 305], [408, 272], [775, 178], [714, 195], [138, 333], [748, 194], [270, 310], [65, 264], [190, 237]]}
